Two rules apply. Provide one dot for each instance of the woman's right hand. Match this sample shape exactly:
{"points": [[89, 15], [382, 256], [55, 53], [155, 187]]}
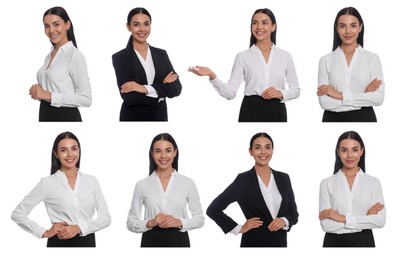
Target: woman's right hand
{"points": [[170, 78], [250, 224], [53, 231], [376, 208], [202, 71], [156, 221], [373, 86]]}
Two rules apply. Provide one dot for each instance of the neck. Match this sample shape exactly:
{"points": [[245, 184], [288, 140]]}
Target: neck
{"points": [[263, 170], [349, 49], [350, 172], [140, 46], [264, 45], [72, 172], [165, 173]]}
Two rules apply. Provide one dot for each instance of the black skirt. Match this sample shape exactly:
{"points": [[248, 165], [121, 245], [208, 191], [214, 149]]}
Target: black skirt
{"points": [[49, 113], [358, 239], [165, 237], [144, 112], [77, 241], [365, 114], [256, 109]]}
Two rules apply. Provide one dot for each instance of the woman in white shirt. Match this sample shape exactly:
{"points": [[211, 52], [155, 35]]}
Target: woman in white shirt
{"points": [[165, 195], [71, 198], [350, 79], [266, 70], [351, 202], [63, 82]]}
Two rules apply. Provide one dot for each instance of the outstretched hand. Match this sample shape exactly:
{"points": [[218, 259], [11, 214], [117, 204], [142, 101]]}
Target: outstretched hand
{"points": [[202, 71]]}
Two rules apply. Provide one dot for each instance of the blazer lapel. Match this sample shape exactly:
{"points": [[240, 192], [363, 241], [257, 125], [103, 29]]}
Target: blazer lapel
{"points": [[281, 186], [260, 203], [136, 69]]}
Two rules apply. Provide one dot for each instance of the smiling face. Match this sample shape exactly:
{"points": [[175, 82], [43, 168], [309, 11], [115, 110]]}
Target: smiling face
{"points": [[68, 153], [164, 153], [262, 27], [140, 27], [56, 29], [262, 151], [348, 28], [350, 152]]}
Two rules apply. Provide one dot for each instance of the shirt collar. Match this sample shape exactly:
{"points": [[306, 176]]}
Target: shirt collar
{"points": [[358, 49], [65, 46], [174, 173], [274, 47], [60, 173], [359, 173]]}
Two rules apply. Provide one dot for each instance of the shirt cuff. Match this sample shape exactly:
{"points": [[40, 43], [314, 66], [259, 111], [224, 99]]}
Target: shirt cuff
{"points": [[236, 230], [286, 227], [56, 99], [350, 221], [347, 98], [39, 232], [151, 91], [83, 228]]}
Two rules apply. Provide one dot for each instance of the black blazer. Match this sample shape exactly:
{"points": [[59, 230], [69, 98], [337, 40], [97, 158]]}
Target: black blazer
{"points": [[245, 190], [137, 106]]}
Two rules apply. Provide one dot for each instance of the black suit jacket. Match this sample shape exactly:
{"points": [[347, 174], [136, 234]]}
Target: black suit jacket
{"points": [[245, 190], [137, 106]]}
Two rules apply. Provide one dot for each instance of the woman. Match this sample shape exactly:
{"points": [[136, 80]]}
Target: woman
{"points": [[63, 82], [144, 73], [70, 197], [165, 194], [350, 79], [264, 68], [351, 202], [266, 198]]}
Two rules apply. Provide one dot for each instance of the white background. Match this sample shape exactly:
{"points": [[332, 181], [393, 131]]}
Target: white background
{"points": [[213, 146]]}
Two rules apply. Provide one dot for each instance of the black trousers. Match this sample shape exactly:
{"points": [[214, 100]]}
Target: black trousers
{"points": [[256, 109], [49, 113], [77, 241], [365, 114], [165, 237], [359, 239]]}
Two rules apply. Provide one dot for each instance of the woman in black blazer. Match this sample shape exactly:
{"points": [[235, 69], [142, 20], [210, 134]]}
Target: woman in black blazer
{"points": [[144, 74], [266, 198]]}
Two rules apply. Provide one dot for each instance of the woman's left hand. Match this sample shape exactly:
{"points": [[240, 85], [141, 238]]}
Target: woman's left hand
{"points": [[37, 92], [170, 78], [329, 91], [271, 93], [332, 214], [171, 222], [133, 86], [276, 224], [68, 232]]}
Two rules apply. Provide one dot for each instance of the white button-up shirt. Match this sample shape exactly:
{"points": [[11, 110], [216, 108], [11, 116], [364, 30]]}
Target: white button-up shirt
{"points": [[259, 75], [351, 80], [180, 191], [66, 77], [63, 204], [354, 204]]}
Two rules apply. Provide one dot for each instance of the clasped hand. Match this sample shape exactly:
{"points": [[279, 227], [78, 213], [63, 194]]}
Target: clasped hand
{"points": [[62, 230], [275, 225], [164, 221]]}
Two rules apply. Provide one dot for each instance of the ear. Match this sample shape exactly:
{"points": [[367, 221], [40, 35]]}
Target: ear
{"points": [[250, 151], [175, 152], [68, 25], [128, 27], [54, 152], [362, 151], [360, 27], [274, 27]]}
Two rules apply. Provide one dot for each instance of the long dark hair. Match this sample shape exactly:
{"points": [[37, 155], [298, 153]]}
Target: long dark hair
{"points": [[260, 135], [165, 137], [61, 12], [269, 13], [133, 12], [354, 136], [55, 165], [351, 11]]}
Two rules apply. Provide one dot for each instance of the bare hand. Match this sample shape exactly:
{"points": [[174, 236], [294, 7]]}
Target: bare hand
{"points": [[332, 214], [250, 224], [329, 91], [376, 208], [271, 93], [56, 227], [67, 232], [202, 71], [276, 224], [170, 78], [133, 86], [37, 92], [170, 222], [373, 86], [159, 218]]}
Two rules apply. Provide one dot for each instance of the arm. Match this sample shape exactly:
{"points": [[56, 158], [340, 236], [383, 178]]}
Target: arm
{"points": [[195, 208], [103, 218], [216, 209], [82, 97], [21, 212], [134, 222], [123, 75], [292, 81], [164, 86], [291, 215]]}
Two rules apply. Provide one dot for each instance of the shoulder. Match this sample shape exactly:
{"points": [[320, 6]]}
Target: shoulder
{"points": [[282, 52], [280, 175], [88, 177], [369, 54], [157, 50], [244, 176], [119, 54]]}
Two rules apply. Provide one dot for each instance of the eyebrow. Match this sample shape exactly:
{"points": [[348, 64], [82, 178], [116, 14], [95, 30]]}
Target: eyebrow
{"points": [[351, 147], [264, 20], [64, 147]]}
